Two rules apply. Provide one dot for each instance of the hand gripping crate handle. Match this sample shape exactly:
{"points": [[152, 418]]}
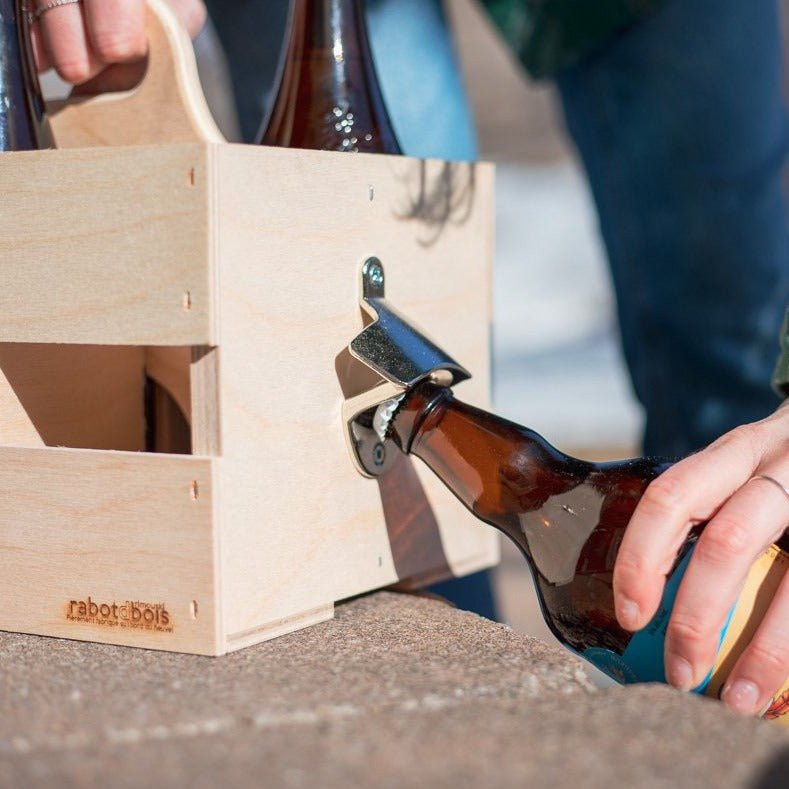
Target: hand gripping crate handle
{"points": [[168, 105]]}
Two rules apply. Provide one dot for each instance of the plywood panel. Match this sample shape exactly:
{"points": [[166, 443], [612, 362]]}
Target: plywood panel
{"points": [[300, 527], [106, 246], [71, 395], [80, 529]]}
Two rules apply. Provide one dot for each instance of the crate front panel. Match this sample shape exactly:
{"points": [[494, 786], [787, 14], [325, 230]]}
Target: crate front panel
{"points": [[115, 547], [300, 527], [106, 246]]}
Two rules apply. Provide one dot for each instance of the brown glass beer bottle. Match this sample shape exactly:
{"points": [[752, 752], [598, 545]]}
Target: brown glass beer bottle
{"points": [[23, 122], [328, 96], [567, 517]]}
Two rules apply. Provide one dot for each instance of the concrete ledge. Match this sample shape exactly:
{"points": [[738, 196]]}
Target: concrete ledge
{"points": [[396, 691]]}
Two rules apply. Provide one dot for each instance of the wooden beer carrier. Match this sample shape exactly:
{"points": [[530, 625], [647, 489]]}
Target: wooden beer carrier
{"points": [[231, 275]]}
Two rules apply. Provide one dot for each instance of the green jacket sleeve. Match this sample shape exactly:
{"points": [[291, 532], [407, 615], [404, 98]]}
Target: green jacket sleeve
{"points": [[548, 35], [781, 374]]}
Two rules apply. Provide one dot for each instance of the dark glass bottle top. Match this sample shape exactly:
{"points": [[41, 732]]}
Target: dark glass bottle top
{"points": [[23, 124], [329, 97]]}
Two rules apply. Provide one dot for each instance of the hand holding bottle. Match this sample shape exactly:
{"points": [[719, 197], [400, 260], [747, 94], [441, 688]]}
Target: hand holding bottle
{"points": [[96, 43], [677, 541], [736, 485]]}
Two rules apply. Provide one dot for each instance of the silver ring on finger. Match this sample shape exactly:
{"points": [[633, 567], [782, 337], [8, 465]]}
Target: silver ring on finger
{"points": [[42, 9], [774, 481]]}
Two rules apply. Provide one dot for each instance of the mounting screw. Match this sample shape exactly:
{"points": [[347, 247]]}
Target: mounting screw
{"points": [[373, 278], [376, 275], [379, 454]]}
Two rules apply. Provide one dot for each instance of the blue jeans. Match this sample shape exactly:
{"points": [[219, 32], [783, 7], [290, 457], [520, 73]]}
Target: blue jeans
{"points": [[681, 126], [420, 79]]}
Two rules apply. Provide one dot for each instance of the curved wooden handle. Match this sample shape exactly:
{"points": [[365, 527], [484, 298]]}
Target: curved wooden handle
{"points": [[167, 106]]}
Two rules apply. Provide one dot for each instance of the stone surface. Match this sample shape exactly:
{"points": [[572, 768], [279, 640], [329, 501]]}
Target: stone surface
{"points": [[396, 691]]}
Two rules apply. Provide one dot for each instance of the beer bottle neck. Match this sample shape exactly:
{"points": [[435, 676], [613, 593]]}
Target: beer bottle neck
{"points": [[23, 124], [567, 515], [496, 468], [333, 27]]}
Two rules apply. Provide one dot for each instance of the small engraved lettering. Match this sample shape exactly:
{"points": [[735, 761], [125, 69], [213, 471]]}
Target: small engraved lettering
{"points": [[129, 614]]}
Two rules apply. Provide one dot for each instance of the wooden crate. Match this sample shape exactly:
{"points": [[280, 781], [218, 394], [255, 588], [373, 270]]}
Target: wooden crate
{"points": [[230, 274]]}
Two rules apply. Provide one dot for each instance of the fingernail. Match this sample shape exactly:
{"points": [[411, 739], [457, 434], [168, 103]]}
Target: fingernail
{"points": [[679, 673], [627, 613], [741, 696]]}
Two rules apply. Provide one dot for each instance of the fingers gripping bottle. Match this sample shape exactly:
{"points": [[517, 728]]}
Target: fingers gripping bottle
{"points": [[568, 517]]}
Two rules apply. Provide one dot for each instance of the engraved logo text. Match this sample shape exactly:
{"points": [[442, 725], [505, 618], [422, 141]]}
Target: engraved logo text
{"points": [[131, 614]]}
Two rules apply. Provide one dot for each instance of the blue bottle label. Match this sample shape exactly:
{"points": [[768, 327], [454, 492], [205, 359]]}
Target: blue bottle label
{"points": [[642, 660]]}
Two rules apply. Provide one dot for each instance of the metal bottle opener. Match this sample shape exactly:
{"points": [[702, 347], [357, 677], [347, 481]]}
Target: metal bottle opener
{"points": [[399, 355]]}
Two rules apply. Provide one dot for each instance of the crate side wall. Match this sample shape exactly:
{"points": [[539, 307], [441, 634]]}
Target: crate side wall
{"points": [[300, 528]]}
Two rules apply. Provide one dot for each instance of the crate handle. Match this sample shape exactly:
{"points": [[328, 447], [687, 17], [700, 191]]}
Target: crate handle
{"points": [[167, 106]]}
